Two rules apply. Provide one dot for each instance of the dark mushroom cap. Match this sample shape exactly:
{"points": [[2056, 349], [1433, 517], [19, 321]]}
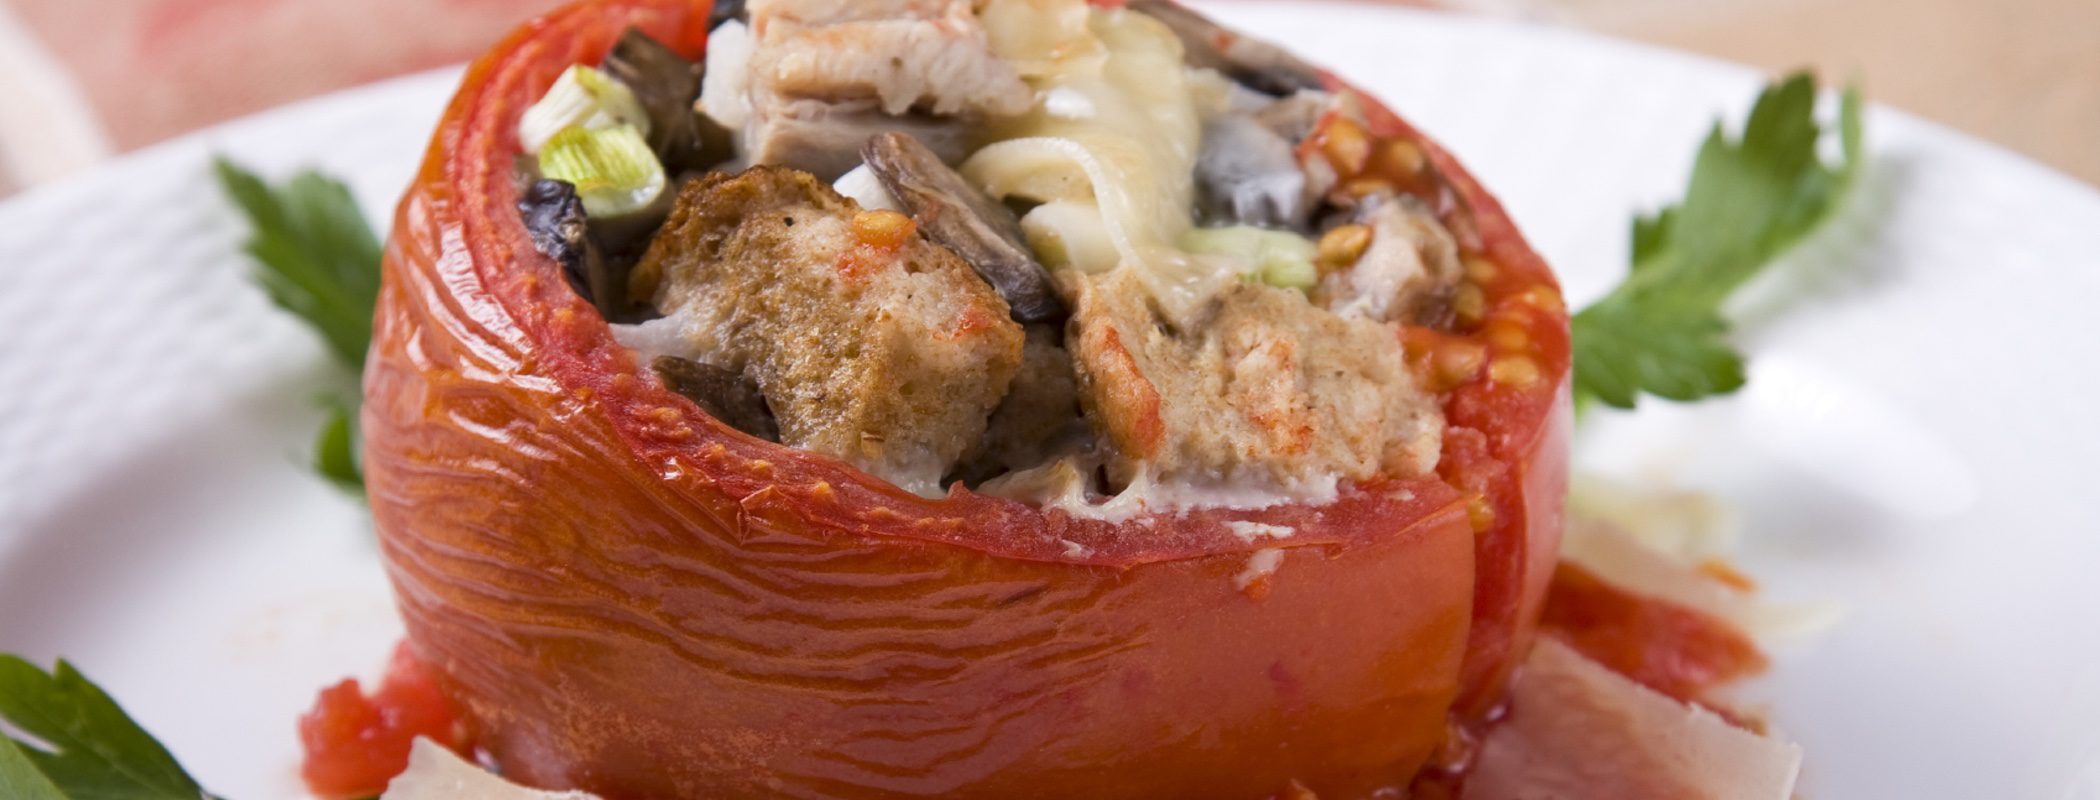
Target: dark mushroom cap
{"points": [[964, 219]]}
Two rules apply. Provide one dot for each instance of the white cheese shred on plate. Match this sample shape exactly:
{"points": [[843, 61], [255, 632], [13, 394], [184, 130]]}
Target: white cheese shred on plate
{"points": [[1651, 541], [1579, 731], [435, 773]]}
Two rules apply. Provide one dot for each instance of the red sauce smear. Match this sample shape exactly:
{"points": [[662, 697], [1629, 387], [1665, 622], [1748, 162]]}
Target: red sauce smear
{"points": [[1662, 645], [355, 743], [1678, 651]]}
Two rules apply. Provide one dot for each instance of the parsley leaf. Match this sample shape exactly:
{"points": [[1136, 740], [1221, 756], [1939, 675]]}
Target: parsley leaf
{"points": [[335, 450], [1661, 332], [20, 777], [317, 258], [86, 748]]}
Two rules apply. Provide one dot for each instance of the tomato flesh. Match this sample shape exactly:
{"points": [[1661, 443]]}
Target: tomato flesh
{"points": [[355, 743]]}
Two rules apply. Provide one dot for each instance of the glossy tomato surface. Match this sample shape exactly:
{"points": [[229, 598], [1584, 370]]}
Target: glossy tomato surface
{"points": [[625, 596]]}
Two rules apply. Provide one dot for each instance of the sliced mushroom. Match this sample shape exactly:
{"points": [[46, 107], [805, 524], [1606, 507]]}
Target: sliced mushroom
{"points": [[964, 219], [554, 219], [725, 394], [1248, 174], [1254, 63], [665, 84], [726, 10]]}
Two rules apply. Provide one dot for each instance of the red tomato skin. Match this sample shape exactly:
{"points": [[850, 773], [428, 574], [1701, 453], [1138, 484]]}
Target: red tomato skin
{"points": [[625, 596], [1507, 441]]}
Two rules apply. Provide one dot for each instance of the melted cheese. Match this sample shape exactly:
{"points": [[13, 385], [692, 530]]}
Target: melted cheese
{"points": [[1260, 566], [1042, 38], [1249, 532], [1112, 142], [1064, 484]]}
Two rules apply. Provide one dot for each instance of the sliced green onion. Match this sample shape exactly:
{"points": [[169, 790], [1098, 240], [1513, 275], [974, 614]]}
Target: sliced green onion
{"points": [[1277, 258], [1297, 274], [613, 169], [581, 98]]}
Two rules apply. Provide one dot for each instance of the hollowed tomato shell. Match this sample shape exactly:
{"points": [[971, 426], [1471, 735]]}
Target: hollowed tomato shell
{"points": [[627, 597]]}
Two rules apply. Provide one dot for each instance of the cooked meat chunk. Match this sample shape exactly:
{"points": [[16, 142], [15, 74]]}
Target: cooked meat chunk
{"points": [[925, 54], [868, 343], [1038, 418], [1408, 272], [813, 79], [825, 137], [1265, 385]]}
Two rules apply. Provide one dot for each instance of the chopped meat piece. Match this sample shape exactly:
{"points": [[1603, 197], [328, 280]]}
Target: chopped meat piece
{"points": [[824, 75], [1264, 384], [1408, 272], [926, 54], [869, 343], [825, 138], [1038, 418]]}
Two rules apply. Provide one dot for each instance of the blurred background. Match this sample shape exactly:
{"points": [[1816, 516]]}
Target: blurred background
{"points": [[85, 81]]}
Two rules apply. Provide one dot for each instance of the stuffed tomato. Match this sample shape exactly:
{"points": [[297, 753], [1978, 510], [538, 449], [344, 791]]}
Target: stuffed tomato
{"points": [[974, 399]]}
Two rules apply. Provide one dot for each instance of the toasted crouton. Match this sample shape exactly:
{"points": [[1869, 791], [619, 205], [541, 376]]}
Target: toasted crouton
{"points": [[1266, 385], [868, 342]]}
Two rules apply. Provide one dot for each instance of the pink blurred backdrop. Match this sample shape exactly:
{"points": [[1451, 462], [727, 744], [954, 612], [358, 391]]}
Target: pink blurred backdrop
{"points": [[155, 68], [94, 78]]}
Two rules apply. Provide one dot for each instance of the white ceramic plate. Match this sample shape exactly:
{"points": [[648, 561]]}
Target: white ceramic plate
{"points": [[1916, 443]]}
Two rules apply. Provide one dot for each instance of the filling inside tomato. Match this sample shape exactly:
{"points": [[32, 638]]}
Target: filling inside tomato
{"points": [[1106, 259]]}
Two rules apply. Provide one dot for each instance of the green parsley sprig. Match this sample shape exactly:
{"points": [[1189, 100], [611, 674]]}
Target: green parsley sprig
{"points": [[1750, 200], [317, 258], [86, 747]]}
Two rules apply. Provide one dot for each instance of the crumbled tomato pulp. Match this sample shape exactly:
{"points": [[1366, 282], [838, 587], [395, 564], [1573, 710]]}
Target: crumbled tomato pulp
{"points": [[1664, 646], [355, 743]]}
